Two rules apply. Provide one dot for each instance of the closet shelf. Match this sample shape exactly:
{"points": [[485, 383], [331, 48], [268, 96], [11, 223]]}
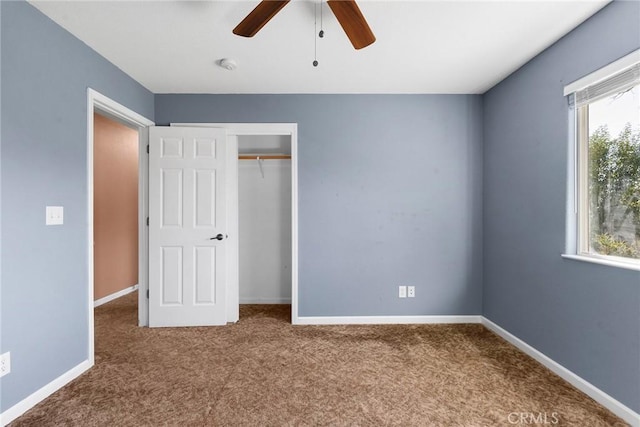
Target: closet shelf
{"points": [[264, 156]]}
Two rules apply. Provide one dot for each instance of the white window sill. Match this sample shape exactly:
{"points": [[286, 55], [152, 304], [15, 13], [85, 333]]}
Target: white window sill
{"points": [[604, 261]]}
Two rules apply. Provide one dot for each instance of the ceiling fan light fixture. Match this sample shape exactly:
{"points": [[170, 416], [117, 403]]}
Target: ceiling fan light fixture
{"points": [[228, 64]]}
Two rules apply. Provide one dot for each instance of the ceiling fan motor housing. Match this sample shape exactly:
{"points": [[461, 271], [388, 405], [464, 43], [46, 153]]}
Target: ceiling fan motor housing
{"points": [[228, 64]]}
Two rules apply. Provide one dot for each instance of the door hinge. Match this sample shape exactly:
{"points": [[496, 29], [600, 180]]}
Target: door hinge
{"points": [[147, 149], [147, 293], [147, 221]]}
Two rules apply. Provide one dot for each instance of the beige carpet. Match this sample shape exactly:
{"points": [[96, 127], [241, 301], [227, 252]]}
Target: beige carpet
{"points": [[265, 372]]}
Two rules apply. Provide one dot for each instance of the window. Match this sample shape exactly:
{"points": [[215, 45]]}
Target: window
{"points": [[607, 166]]}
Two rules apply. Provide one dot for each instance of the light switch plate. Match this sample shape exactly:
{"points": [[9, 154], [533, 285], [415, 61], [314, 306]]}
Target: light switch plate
{"points": [[55, 215], [5, 364], [402, 291]]}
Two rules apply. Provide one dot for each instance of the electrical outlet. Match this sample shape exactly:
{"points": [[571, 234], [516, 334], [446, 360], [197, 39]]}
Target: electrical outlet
{"points": [[55, 215], [411, 291], [5, 364], [402, 291]]}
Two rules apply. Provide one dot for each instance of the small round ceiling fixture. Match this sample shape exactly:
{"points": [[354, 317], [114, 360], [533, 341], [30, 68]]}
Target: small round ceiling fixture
{"points": [[228, 64]]}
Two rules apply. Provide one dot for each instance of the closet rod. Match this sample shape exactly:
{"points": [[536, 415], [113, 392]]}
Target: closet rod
{"points": [[264, 157]]}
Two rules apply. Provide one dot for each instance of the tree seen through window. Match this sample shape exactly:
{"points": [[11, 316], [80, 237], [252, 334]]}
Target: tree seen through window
{"points": [[614, 175]]}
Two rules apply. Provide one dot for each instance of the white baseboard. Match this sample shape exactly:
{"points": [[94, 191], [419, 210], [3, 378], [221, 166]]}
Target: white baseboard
{"points": [[265, 300], [115, 295], [384, 320], [30, 401], [584, 386]]}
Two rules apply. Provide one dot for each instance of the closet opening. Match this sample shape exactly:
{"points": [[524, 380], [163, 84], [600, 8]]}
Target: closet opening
{"points": [[251, 231], [265, 219]]}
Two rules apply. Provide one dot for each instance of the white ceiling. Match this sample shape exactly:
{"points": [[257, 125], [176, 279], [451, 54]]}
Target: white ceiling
{"points": [[447, 46]]}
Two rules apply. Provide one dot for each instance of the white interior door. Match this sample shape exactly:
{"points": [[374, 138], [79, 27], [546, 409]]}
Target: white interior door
{"points": [[187, 226]]}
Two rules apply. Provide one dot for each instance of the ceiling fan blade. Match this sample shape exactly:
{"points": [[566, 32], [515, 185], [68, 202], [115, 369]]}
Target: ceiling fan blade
{"points": [[353, 23], [254, 21]]}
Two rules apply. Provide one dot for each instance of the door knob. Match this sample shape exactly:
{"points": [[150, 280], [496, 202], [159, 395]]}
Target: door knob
{"points": [[218, 237]]}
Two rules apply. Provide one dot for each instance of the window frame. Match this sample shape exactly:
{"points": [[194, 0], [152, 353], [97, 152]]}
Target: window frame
{"points": [[582, 174], [577, 233]]}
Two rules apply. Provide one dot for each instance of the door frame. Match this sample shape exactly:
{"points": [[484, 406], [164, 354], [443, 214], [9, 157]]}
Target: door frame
{"points": [[234, 130], [97, 102]]}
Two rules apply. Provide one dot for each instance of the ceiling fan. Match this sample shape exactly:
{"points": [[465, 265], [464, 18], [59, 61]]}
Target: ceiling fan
{"points": [[347, 13]]}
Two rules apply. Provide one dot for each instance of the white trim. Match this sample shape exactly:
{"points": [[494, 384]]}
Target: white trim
{"points": [[117, 110], [581, 159], [584, 386], [99, 102], [143, 230], [603, 73], [604, 261], [115, 295], [265, 300], [248, 128], [233, 261], [571, 239], [386, 320], [90, 266], [289, 129], [32, 400]]}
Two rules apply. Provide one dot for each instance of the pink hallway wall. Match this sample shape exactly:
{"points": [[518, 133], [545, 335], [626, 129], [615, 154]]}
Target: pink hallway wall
{"points": [[115, 214]]}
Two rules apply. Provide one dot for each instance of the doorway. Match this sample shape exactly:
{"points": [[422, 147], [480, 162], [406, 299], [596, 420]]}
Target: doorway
{"points": [[115, 208], [98, 103]]}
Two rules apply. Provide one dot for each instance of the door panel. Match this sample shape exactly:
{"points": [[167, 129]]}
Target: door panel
{"points": [[205, 199], [205, 275], [171, 275], [171, 188], [187, 201]]}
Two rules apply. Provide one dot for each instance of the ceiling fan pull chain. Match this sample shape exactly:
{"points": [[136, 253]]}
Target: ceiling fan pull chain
{"points": [[315, 29], [321, 33]]}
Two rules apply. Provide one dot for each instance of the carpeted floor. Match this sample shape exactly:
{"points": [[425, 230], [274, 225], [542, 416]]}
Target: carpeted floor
{"points": [[265, 372]]}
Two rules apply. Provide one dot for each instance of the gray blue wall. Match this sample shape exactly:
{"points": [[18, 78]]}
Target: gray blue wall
{"points": [[389, 194], [45, 75], [584, 316]]}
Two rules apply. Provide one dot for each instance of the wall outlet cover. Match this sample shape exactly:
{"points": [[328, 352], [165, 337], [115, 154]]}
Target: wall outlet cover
{"points": [[55, 215]]}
